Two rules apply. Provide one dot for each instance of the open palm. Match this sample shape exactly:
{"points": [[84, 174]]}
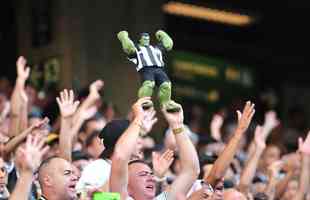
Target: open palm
{"points": [[22, 71], [94, 89], [66, 103], [304, 146], [162, 163]]}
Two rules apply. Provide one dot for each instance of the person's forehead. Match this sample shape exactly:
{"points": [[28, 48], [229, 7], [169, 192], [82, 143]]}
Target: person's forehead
{"points": [[61, 165], [139, 167]]}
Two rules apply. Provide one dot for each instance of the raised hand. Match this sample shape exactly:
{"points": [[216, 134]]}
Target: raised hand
{"points": [[137, 108], [94, 89], [23, 72], [274, 168], [245, 118], [89, 112], [291, 162], [259, 138], [148, 121], [162, 163], [66, 103], [174, 119], [215, 126], [271, 119], [42, 124], [271, 122], [304, 146], [29, 157]]}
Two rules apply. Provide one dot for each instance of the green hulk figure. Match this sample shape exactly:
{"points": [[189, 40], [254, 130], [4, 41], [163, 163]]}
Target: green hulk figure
{"points": [[150, 65]]}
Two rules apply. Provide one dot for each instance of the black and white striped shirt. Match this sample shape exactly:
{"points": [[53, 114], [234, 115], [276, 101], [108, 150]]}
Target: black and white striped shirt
{"points": [[147, 56]]}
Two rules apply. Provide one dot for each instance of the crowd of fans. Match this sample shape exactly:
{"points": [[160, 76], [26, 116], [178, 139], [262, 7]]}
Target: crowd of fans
{"points": [[65, 147]]}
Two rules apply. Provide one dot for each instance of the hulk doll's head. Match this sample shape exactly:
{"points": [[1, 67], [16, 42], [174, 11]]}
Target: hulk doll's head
{"points": [[144, 39]]}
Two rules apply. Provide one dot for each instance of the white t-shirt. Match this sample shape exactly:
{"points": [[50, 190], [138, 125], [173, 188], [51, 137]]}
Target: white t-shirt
{"points": [[161, 196], [94, 175]]}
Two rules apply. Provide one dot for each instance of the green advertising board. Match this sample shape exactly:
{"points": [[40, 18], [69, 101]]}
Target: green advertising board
{"points": [[209, 80]]}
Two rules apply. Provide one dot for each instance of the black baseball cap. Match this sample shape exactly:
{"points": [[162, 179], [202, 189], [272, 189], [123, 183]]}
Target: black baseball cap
{"points": [[110, 134]]}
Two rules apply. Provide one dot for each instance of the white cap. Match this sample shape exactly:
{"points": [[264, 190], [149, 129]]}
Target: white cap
{"points": [[94, 175]]}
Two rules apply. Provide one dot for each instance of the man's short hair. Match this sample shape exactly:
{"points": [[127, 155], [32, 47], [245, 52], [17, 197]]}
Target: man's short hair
{"points": [[144, 34], [43, 165]]}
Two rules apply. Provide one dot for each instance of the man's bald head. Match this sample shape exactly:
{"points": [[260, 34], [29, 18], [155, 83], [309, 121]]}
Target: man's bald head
{"points": [[56, 177], [232, 194], [46, 168]]}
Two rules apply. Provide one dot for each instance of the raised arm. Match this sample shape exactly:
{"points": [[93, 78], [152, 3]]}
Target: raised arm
{"points": [[90, 100], [273, 173], [249, 170], [215, 127], [67, 107], [304, 179], [164, 39], [161, 163], [19, 100], [127, 44], [188, 156], [28, 160], [283, 183], [13, 143], [222, 163], [124, 148], [271, 121]]}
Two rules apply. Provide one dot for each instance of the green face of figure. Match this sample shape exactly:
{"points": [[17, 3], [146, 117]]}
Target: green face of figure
{"points": [[144, 39]]}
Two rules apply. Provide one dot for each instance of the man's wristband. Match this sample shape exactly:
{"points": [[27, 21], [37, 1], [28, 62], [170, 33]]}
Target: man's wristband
{"points": [[177, 130]]}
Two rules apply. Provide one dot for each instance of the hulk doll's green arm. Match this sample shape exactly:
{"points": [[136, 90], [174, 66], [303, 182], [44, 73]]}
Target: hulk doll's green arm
{"points": [[164, 39], [127, 43]]}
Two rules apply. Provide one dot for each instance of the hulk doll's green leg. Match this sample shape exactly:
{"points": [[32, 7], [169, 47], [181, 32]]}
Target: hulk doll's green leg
{"points": [[164, 95], [146, 90]]}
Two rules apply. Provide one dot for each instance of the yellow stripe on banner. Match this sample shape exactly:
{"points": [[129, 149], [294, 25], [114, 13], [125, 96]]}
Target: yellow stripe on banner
{"points": [[210, 14]]}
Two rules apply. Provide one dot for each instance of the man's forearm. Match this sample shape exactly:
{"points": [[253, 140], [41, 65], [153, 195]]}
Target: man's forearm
{"points": [[222, 163], [282, 185], [16, 108], [12, 144], [65, 139], [23, 187], [14, 115], [304, 179], [128, 140], [249, 170], [271, 188], [124, 148], [23, 116], [188, 155], [189, 166], [88, 102]]}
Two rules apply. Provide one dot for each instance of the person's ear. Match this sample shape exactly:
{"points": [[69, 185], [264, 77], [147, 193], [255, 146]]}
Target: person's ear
{"points": [[48, 181]]}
